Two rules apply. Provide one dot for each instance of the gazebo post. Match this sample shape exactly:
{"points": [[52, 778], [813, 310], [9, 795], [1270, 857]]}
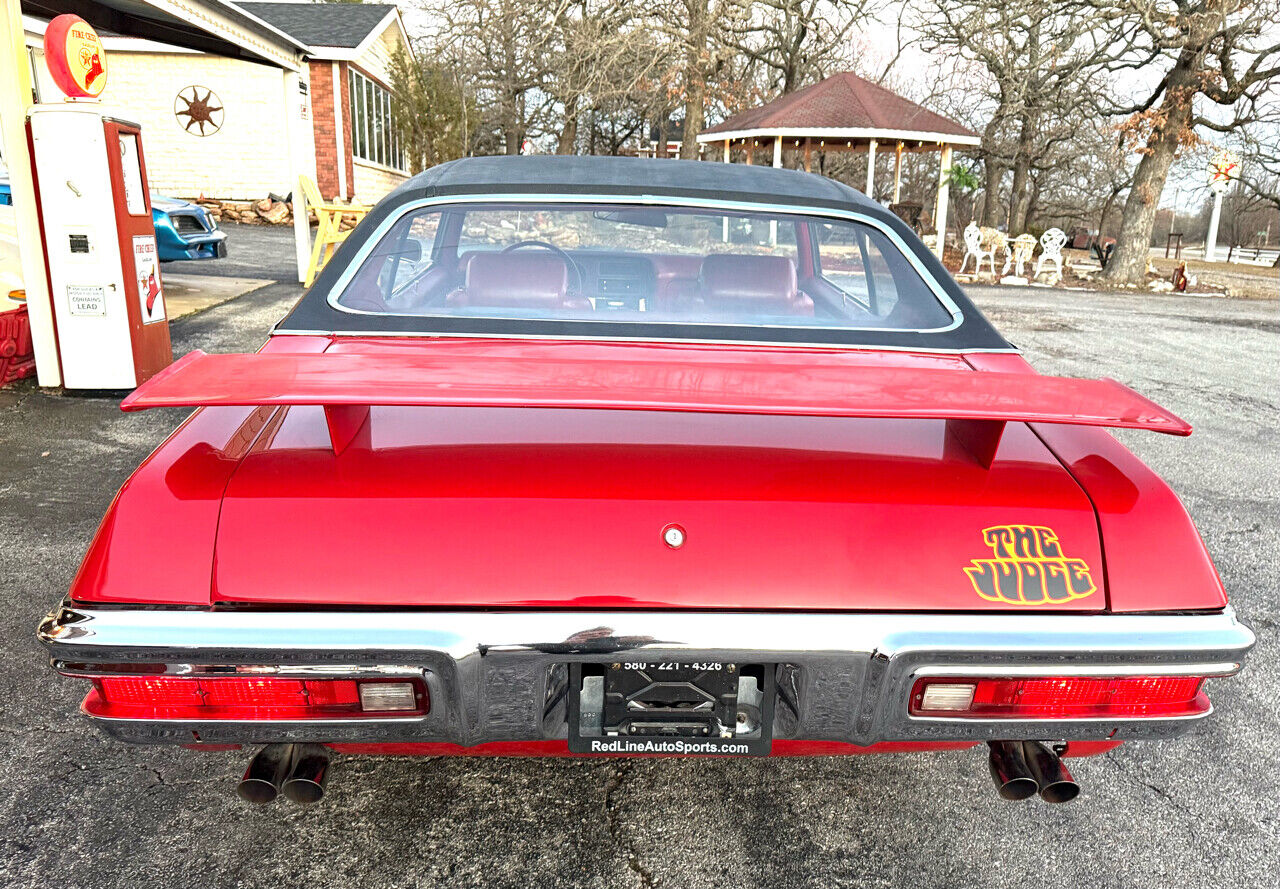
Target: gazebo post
{"points": [[940, 214], [808, 155], [897, 173], [871, 169]]}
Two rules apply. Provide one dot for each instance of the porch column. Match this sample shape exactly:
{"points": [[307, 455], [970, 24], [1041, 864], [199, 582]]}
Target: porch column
{"points": [[340, 141], [777, 151], [940, 214], [871, 169], [897, 174], [808, 155], [15, 99], [750, 145], [726, 152], [293, 136]]}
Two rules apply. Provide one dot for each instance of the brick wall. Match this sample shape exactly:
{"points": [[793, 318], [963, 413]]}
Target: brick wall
{"points": [[246, 158], [324, 130]]}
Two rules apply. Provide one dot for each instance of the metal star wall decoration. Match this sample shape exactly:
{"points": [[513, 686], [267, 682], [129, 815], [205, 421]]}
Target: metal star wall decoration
{"points": [[202, 112]]}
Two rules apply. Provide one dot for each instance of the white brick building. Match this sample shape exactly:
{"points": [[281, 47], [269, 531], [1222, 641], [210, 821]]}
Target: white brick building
{"points": [[242, 150]]}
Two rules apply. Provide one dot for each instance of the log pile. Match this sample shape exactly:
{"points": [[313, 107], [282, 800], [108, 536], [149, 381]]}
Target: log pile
{"points": [[268, 211]]}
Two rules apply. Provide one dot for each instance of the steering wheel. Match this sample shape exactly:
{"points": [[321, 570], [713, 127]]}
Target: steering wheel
{"points": [[543, 245]]}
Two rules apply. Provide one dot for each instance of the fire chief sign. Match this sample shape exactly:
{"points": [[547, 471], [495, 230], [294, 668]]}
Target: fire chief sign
{"points": [[147, 271], [75, 58], [1028, 567]]}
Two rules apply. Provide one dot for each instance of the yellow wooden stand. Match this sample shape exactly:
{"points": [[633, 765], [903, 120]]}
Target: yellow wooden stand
{"points": [[329, 234]]}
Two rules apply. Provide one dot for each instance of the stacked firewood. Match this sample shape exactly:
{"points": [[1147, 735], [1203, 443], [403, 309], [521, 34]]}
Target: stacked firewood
{"points": [[268, 211]]}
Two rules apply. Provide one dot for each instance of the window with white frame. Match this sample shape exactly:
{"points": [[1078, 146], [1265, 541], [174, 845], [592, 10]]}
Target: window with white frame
{"points": [[373, 134]]}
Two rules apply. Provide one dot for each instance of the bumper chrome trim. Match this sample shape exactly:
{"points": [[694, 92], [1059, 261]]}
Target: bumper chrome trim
{"points": [[491, 674]]}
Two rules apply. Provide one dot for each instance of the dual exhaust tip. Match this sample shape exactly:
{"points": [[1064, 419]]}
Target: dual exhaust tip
{"points": [[299, 771], [1023, 768], [1019, 769]]}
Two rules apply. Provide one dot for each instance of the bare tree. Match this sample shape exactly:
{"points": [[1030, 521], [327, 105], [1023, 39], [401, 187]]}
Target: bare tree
{"points": [[1222, 54], [697, 31], [1260, 165], [1038, 59], [796, 42], [505, 47], [604, 50]]}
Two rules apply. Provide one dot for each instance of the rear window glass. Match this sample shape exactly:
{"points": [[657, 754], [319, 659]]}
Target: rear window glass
{"points": [[628, 262]]}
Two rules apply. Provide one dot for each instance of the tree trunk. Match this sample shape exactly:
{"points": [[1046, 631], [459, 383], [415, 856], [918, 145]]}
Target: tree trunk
{"points": [[695, 84], [1031, 205], [1018, 195], [1128, 265], [569, 135], [1106, 211], [991, 196]]}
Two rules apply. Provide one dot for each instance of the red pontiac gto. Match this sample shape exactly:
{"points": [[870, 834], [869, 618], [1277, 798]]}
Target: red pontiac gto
{"points": [[611, 456]]}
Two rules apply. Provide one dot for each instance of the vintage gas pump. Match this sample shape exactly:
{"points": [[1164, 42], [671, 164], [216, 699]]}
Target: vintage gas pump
{"points": [[95, 212]]}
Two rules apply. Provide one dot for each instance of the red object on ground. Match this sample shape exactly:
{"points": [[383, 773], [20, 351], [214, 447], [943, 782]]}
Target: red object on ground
{"points": [[17, 360]]}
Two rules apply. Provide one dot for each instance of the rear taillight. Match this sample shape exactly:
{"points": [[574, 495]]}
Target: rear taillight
{"points": [[1059, 697], [253, 697]]}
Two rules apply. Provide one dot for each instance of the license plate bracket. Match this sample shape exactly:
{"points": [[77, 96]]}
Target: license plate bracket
{"points": [[681, 708]]}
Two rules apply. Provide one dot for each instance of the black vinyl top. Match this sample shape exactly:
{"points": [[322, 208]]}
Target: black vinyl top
{"points": [[631, 177], [560, 174]]}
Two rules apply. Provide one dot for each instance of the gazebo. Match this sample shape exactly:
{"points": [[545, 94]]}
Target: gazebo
{"points": [[847, 113]]}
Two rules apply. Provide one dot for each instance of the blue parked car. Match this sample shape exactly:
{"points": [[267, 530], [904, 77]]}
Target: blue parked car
{"points": [[185, 230]]}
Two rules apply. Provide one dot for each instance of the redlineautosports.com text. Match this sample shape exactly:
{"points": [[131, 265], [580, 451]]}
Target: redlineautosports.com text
{"points": [[622, 745]]}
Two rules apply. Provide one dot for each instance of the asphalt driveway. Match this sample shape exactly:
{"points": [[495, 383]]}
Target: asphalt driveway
{"points": [[79, 811]]}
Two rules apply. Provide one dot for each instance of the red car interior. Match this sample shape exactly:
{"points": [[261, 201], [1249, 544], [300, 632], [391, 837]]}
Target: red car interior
{"points": [[756, 285]]}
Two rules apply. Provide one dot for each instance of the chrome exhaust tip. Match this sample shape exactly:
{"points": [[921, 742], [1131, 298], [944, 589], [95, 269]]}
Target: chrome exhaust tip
{"points": [[1050, 773], [1010, 771], [265, 773], [305, 782]]}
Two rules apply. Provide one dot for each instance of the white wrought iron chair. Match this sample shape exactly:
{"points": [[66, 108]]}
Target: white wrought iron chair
{"points": [[979, 247], [1051, 244]]}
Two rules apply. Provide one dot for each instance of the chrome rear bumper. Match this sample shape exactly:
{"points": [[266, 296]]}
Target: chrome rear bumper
{"points": [[499, 676]]}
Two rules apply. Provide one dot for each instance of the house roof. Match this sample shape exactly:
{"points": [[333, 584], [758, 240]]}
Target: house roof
{"points": [[843, 105], [345, 25]]}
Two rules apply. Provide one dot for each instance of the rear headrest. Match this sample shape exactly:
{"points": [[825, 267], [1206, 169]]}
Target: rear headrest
{"points": [[765, 284], [516, 279]]}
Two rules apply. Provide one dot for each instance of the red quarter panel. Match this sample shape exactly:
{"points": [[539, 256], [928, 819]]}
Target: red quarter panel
{"points": [[155, 543], [1155, 557]]}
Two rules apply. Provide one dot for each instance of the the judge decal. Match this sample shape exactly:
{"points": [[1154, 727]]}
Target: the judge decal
{"points": [[1028, 567]]}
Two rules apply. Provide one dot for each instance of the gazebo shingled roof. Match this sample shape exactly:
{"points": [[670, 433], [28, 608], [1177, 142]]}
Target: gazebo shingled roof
{"points": [[848, 113], [842, 102]]}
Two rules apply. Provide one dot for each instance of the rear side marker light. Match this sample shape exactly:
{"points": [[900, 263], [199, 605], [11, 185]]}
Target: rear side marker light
{"points": [[253, 697], [1060, 697]]}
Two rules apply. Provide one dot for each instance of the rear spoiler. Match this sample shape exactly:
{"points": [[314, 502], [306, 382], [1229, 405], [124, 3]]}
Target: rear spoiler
{"points": [[976, 404]]}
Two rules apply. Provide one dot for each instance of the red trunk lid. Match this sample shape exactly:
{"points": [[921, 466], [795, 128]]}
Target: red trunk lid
{"points": [[452, 507]]}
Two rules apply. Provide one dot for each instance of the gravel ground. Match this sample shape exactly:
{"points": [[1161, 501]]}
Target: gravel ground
{"points": [[78, 810]]}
